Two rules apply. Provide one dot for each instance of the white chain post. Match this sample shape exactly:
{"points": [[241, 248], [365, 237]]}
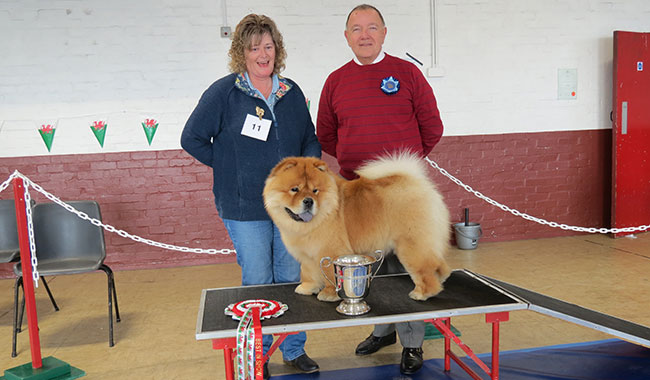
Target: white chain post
{"points": [[532, 218], [30, 228]]}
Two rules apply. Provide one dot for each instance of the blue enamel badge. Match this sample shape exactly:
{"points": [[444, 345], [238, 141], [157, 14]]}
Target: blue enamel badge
{"points": [[390, 85]]}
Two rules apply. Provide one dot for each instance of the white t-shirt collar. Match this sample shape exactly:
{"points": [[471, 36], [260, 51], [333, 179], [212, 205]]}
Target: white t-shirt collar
{"points": [[380, 56]]}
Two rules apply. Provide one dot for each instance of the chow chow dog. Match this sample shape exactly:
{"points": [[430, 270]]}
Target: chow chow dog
{"points": [[393, 206]]}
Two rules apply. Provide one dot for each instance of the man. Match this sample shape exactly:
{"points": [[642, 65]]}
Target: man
{"points": [[375, 104]]}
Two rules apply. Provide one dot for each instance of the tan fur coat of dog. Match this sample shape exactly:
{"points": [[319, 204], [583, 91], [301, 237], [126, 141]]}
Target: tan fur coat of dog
{"points": [[393, 206]]}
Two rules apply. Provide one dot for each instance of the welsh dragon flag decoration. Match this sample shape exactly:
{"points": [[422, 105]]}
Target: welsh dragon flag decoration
{"points": [[47, 134], [99, 129], [150, 126]]}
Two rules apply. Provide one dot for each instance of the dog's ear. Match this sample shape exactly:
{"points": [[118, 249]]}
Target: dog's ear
{"points": [[321, 165], [283, 165]]}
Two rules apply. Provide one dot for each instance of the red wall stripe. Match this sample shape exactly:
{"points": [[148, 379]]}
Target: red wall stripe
{"points": [[166, 195]]}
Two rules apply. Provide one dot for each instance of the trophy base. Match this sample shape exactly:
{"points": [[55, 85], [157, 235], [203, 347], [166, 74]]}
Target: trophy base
{"points": [[353, 307]]}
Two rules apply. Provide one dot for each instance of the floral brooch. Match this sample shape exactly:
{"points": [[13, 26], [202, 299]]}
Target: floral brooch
{"points": [[390, 85]]}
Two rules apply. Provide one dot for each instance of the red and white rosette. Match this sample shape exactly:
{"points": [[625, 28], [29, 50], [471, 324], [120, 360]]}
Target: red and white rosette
{"points": [[269, 308], [249, 333]]}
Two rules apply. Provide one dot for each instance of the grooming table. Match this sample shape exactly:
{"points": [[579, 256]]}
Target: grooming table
{"points": [[465, 293]]}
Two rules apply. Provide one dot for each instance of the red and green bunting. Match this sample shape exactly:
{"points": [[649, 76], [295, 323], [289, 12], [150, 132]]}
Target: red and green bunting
{"points": [[47, 134], [150, 126], [98, 127], [99, 130]]}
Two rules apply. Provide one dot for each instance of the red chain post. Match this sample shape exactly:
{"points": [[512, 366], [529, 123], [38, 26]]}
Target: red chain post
{"points": [[26, 263]]}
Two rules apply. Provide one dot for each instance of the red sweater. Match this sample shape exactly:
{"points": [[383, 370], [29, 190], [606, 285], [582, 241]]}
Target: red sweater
{"points": [[357, 121]]}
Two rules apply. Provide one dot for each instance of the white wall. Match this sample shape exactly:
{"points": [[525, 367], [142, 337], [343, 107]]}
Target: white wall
{"points": [[77, 61]]}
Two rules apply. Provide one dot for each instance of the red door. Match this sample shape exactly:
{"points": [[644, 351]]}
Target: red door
{"points": [[631, 130]]}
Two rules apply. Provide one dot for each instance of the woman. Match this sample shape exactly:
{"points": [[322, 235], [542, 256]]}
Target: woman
{"points": [[243, 125]]}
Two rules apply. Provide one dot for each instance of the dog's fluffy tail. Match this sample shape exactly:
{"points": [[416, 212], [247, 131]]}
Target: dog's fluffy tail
{"points": [[398, 163]]}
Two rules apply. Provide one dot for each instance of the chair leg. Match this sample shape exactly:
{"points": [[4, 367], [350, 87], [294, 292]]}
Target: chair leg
{"points": [[111, 293], [22, 303], [22, 307], [111, 278], [14, 335], [49, 293], [117, 309]]}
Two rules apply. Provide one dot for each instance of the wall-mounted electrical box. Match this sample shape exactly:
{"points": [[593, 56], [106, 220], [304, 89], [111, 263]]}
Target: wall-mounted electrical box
{"points": [[225, 32]]}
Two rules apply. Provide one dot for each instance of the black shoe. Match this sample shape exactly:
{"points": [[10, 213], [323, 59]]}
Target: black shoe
{"points": [[411, 360], [266, 375], [373, 344], [304, 364]]}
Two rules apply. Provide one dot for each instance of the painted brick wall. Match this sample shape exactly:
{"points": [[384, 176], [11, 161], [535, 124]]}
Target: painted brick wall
{"points": [[563, 177], [166, 196]]}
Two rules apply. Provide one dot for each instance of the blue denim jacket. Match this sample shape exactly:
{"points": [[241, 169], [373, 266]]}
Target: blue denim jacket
{"points": [[240, 164]]}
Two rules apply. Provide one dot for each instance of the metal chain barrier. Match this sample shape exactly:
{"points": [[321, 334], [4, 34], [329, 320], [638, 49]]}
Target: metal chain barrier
{"points": [[6, 183], [30, 228], [30, 225], [226, 251], [530, 217], [108, 227]]}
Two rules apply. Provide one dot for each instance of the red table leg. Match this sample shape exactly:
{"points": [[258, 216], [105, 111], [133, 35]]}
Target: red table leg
{"points": [[228, 345], [275, 345], [494, 319], [444, 326], [447, 345]]}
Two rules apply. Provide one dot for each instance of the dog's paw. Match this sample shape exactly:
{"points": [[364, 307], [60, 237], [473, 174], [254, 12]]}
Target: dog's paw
{"points": [[418, 295], [307, 289], [328, 295]]}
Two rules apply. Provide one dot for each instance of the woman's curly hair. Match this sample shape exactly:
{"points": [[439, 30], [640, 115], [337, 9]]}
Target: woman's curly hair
{"points": [[248, 32]]}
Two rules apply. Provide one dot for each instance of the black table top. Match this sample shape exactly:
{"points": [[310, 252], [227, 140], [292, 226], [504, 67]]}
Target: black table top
{"points": [[464, 293]]}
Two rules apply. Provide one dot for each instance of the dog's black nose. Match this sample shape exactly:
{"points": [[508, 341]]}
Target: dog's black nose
{"points": [[308, 202]]}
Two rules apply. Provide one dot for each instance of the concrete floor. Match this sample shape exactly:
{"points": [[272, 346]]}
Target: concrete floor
{"points": [[156, 340]]}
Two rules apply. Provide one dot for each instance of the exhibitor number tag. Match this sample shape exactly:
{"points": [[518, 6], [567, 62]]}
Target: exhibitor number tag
{"points": [[256, 128]]}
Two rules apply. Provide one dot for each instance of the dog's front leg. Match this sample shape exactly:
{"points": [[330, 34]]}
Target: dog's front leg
{"points": [[311, 280], [328, 293]]}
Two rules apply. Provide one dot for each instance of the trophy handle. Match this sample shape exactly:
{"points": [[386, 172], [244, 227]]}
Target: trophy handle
{"points": [[381, 261], [329, 262]]}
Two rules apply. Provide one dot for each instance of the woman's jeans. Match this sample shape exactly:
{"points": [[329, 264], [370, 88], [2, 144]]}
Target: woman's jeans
{"points": [[264, 259]]}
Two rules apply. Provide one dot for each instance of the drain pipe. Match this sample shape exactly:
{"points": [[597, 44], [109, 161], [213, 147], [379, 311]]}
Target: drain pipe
{"points": [[435, 70]]}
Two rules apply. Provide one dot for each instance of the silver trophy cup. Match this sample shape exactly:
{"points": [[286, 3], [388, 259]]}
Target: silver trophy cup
{"points": [[352, 274]]}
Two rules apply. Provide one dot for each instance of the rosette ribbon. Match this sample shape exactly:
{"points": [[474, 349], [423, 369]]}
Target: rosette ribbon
{"points": [[249, 346], [249, 359]]}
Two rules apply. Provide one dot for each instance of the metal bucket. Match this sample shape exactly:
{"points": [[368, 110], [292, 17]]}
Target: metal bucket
{"points": [[467, 235]]}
